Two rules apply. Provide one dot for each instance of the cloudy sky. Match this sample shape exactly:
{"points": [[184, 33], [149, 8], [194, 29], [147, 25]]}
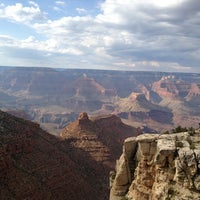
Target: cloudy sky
{"points": [[153, 35]]}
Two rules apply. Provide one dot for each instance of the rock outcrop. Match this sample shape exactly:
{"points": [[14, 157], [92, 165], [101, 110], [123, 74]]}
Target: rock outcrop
{"points": [[153, 166], [102, 137], [106, 131], [98, 141]]}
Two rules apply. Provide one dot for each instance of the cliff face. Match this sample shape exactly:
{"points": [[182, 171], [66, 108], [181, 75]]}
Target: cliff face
{"points": [[154, 167]]}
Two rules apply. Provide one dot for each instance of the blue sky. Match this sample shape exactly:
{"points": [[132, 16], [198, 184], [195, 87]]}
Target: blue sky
{"points": [[150, 35]]}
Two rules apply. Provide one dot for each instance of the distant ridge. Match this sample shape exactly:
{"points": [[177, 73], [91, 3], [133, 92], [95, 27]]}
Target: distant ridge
{"points": [[54, 96]]}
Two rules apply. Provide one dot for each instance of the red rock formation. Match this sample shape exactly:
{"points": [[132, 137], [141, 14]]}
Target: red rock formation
{"points": [[36, 165], [194, 93], [169, 87], [98, 141], [107, 132]]}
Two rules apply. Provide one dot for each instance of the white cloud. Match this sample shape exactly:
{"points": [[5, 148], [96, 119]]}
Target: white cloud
{"points": [[6, 40], [81, 10], [178, 67], [56, 8], [125, 64], [22, 14], [34, 4], [168, 3], [60, 3], [127, 34]]}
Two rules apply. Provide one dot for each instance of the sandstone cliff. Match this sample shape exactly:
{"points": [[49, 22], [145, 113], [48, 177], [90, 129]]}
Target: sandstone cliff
{"points": [[164, 167]]}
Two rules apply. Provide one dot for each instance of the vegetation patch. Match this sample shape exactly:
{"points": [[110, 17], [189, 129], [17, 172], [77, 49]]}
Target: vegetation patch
{"points": [[179, 144]]}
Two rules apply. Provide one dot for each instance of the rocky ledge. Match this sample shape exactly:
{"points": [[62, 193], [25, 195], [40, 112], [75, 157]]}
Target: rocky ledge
{"points": [[158, 166]]}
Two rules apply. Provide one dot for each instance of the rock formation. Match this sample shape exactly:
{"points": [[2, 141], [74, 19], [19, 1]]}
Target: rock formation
{"points": [[137, 108], [98, 141], [158, 166], [102, 137], [55, 97], [37, 165]]}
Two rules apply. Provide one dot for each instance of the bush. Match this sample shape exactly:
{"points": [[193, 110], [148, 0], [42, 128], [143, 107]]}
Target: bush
{"points": [[179, 144], [192, 146], [189, 140], [179, 129], [166, 132], [171, 191], [191, 131]]}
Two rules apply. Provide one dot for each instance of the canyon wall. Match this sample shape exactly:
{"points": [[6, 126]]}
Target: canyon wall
{"points": [[153, 166]]}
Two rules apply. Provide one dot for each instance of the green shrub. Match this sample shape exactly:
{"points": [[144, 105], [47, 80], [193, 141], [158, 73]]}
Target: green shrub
{"points": [[192, 146], [191, 131], [124, 198], [171, 192], [166, 132], [189, 140], [179, 129], [179, 144]]}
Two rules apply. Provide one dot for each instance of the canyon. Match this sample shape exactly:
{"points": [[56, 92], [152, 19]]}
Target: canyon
{"points": [[91, 116], [153, 101]]}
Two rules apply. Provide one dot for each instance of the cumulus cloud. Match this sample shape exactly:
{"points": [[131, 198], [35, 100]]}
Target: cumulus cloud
{"points": [[130, 34], [163, 32], [22, 14]]}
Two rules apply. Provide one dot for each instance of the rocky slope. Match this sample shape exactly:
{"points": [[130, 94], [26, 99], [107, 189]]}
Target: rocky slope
{"points": [[37, 165], [164, 166]]}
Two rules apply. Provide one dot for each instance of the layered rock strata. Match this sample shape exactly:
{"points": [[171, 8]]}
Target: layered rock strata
{"points": [[154, 167]]}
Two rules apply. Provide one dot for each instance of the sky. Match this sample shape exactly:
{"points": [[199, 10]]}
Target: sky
{"points": [[140, 35]]}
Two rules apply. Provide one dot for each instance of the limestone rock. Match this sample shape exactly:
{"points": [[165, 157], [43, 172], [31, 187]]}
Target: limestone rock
{"points": [[153, 166]]}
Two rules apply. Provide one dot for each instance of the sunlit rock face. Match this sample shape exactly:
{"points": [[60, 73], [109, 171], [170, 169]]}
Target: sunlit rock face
{"points": [[158, 166]]}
